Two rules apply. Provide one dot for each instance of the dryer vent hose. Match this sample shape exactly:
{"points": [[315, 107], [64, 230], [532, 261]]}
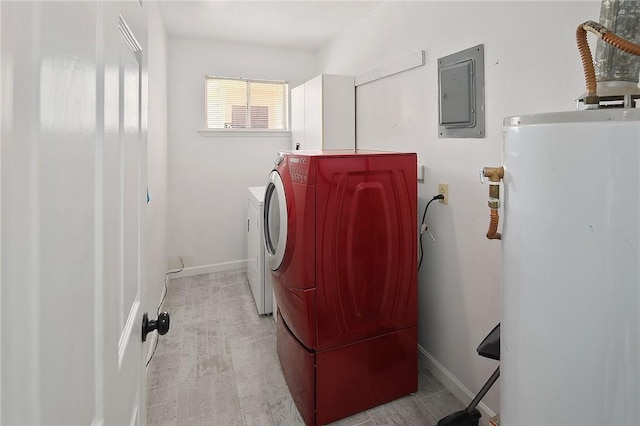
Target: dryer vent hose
{"points": [[587, 60]]}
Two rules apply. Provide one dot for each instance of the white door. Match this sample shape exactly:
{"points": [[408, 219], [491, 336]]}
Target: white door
{"points": [[73, 169]]}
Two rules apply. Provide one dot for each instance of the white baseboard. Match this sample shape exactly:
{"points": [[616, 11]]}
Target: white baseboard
{"points": [[452, 383], [207, 269]]}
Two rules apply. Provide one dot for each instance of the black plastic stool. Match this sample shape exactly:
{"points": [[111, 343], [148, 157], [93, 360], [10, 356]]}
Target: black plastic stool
{"points": [[470, 416]]}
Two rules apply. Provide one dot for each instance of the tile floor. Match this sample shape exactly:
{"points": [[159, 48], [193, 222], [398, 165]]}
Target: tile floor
{"points": [[218, 365]]}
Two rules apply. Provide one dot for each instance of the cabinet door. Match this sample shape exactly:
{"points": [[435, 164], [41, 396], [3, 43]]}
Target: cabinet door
{"points": [[297, 117], [323, 113], [313, 119], [338, 112]]}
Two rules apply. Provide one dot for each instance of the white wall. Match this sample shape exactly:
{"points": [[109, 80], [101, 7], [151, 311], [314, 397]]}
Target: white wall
{"points": [[531, 65], [209, 176], [156, 232]]}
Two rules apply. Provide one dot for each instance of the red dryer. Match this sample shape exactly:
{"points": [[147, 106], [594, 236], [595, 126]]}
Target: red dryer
{"points": [[340, 235]]}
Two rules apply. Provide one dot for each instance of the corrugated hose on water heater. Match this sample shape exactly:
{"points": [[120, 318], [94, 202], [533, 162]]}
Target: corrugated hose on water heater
{"points": [[495, 175], [591, 101]]}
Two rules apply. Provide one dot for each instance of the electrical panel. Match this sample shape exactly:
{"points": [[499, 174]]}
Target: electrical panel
{"points": [[461, 94]]}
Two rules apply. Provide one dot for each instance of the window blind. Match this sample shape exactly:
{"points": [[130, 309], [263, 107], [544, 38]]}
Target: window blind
{"points": [[233, 103]]}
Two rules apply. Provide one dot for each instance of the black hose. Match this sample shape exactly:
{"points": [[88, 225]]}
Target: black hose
{"points": [[437, 197]]}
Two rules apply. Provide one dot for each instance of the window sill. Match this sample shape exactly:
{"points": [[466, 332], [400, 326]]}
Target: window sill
{"points": [[225, 133]]}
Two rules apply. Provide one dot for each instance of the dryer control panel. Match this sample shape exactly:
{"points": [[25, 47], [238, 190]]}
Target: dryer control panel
{"points": [[299, 169]]}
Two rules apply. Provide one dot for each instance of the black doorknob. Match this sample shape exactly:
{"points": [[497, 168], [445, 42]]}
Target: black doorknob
{"points": [[161, 324]]}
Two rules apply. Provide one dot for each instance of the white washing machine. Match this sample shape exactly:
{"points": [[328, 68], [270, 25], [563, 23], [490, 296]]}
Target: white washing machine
{"points": [[257, 270]]}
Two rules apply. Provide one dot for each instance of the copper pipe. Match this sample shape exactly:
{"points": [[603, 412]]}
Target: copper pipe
{"points": [[587, 61], [495, 175], [621, 43], [585, 53], [493, 233]]}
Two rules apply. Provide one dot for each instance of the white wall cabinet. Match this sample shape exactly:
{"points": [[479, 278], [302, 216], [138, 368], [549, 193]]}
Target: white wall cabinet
{"points": [[323, 113]]}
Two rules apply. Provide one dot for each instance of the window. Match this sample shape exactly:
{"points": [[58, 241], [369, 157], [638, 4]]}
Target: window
{"points": [[234, 103]]}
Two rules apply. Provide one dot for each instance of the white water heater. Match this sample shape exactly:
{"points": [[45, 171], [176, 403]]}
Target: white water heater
{"points": [[570, 337]]}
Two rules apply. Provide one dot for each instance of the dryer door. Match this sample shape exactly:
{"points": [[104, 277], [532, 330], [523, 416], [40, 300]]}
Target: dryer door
{"points": [[275, 221]]}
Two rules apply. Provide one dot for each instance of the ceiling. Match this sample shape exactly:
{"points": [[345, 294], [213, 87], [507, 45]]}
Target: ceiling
{"points": [[292, 24]]}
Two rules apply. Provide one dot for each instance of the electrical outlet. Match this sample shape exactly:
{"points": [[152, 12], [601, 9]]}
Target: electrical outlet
{"points": [[443, 189], [420, 171]]}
